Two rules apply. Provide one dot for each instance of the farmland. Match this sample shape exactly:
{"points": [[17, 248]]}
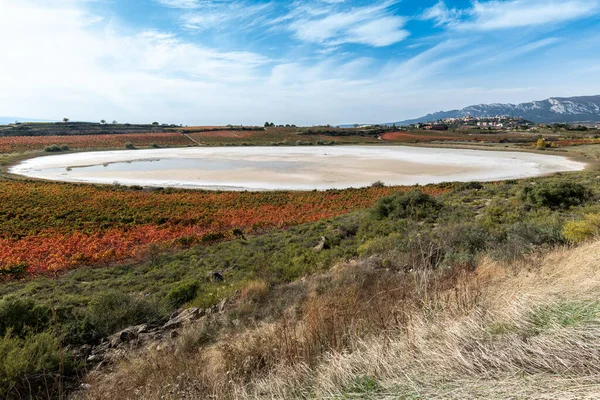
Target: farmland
{"points": [[12, 144], [50, 227]]}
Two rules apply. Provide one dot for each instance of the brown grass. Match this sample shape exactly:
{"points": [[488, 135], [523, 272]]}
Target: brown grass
{"points": [[523, 331]]}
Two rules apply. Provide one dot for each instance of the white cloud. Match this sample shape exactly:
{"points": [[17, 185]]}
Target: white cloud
{"points": [[441, 14], [496, 14], [372, 25], [179, 3], [518, 13], [513, 52], [220, 15], [62, 61]]}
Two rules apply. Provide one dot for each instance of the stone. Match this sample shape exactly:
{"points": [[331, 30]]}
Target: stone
{"points": [[184, 317], [322, 244], [126, 335], [95, 358]]}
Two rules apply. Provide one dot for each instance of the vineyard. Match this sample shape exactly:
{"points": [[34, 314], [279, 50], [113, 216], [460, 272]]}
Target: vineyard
{"points": [[14, 144], [429, 136], [277, 136], [50, 227]]}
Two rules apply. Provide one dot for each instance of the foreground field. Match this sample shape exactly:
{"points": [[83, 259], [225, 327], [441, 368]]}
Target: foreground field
{"points": [[293, 313], [524, 330]]}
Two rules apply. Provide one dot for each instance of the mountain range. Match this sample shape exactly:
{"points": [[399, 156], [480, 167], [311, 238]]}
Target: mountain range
{"points": [[552, 110]]}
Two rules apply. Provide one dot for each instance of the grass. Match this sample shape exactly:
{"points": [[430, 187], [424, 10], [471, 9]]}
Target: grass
{"points": [[363, 339]]}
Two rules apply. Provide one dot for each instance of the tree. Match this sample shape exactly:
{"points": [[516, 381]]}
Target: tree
{"points": [[155, 123], [102, 121], [65, 120]]}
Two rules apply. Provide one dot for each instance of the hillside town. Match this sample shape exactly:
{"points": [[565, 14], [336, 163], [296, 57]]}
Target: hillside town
{"points": [[475, 123]]}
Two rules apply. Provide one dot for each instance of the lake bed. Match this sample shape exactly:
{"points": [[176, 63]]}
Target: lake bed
{"points": [[291, 168]]}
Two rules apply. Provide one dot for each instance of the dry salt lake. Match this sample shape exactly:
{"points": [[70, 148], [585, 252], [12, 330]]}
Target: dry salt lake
{"points": [[291, 168]]}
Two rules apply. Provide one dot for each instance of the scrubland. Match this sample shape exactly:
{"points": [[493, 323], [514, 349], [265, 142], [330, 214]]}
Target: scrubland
{"points": [[473, 290]]}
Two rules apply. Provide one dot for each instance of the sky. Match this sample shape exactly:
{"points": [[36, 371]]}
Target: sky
{"points": [[305, 62]]}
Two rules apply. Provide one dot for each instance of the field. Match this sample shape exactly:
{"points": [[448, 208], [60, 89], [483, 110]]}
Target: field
{"points": [[50, 227], [13, 144], [38, 136]]}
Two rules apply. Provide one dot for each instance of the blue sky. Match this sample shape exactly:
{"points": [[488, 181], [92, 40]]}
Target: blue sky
{"points": [[305, 62]]}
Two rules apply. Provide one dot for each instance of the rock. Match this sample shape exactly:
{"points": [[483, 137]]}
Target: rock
{"points": [[85, 386], [140, 328], [95, 358], [322, 244], [184, 317], [126, 335], [221, 305]]}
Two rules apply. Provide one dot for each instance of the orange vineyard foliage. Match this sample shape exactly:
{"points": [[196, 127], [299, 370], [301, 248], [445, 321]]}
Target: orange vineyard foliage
{"points": [[10, 144], [49, 227]]}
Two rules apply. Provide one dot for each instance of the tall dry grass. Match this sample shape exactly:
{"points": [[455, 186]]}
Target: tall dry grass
{"points": [[522, 331]]}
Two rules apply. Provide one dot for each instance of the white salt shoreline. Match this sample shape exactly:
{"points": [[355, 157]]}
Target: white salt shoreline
{"points": [[291, 168]]}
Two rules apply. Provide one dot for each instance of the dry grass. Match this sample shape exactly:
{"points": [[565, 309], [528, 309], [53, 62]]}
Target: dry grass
{"points": [[524, 331]]}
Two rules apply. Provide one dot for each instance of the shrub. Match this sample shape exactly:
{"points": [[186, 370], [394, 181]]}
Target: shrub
{"points": [[129, 145], [474, 185], [64, 147], [53, 149], [414, 204], [382, 245], [557, 195], [542, 144], [154, 145], [22, 314], [14, 270], [32, 367], [183, 293], [583, 230], [377, 184], [255, 291], [111, 311]]}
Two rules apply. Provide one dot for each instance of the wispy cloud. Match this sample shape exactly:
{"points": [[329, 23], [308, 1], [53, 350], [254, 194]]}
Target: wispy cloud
{"points": [[502, 56], [312, 72], [221, 15], [373, 25], [179, 3], [441, 14], [495, 14]]}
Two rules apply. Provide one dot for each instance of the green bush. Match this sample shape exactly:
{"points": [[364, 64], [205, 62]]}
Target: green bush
{"points": [[33, 367], [21, 315], [53, 149], [583, 230], [64, 147], [129, 145], [110, 311], [414, 204], [182, 294], [382, 245], [561, 195]]}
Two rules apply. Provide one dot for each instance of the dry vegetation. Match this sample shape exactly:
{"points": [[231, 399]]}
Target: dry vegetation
{"points": [[526, 330]]}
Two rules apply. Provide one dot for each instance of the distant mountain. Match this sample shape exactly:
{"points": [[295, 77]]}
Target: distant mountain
{"points": [[11, 120], [552, 110]]}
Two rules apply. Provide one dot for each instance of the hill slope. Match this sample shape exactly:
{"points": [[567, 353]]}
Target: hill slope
{"points": [[554, 109]]}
